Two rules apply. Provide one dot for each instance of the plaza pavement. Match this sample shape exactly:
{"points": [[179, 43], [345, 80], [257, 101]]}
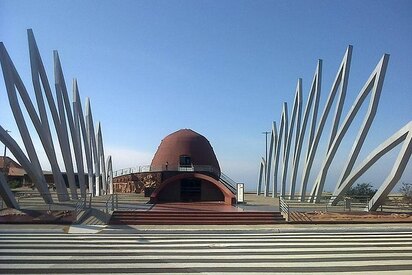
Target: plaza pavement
{"points": [[207, 249], [286, 249]]}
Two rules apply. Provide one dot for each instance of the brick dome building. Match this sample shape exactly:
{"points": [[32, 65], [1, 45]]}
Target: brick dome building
{"points": [[190, 170], [185, 148]]}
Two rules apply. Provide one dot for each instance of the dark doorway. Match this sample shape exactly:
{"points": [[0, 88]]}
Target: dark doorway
{"points": [[190, 190]]}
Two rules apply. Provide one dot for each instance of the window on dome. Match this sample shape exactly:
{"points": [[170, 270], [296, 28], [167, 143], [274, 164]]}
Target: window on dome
{"points": [[185, 161]]}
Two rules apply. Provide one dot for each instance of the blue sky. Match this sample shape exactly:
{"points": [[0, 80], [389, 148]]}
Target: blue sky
{"points": [[221, 68]]}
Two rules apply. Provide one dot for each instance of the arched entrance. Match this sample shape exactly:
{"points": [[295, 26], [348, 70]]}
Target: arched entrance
{"points": [[192, 187]]}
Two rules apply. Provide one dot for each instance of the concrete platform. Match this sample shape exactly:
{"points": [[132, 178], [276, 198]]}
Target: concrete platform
{"points": [[312, 213], [201, 207]]}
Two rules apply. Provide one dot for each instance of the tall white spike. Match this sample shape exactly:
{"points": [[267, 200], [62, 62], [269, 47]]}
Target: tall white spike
{"points": [[373, 86], [109, 169], [272, 144], [83, 130], [93, 144], [295, 120], [313, 102], [282, 136]]}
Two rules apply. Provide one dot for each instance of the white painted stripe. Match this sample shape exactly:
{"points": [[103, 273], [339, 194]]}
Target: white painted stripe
{"points": [[262, 272], [210, 250], [193, 235], [143, 244], [160, 265], [172, 240], [200, 235], [197, 235], [202, 257]]}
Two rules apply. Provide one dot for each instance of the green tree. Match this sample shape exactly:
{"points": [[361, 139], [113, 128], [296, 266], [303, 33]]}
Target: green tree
{"points": [[363, 190], [15, 184], [406, 191]]}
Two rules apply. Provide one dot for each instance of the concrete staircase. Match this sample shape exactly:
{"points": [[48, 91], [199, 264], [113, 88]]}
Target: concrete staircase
{"points": [[127, 250], [94, 217], [299, 217], [195, 217]]}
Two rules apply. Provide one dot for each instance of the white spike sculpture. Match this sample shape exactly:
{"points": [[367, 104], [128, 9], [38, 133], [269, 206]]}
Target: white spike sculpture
{"points": [[403, 135], [66, 111], [337, 94], [62, 114], [281, 137], [373, 86], [39, 78], [261, 176], [76, 137], [38, 179], [340, 81], [272, 144], [6, 193], [100, 157], [110, 174], [61, 128], [296, 116], [93, 147], [313, 98], [13, 81], [82, 130]]}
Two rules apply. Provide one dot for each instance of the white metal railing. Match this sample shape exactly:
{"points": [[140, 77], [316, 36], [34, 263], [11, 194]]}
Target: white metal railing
{"points": [[288, 205], [79, 207], [27, 194], [228, 182], [179, 168], [284, 208], [82, 204], [112, 203], [186, 168]]}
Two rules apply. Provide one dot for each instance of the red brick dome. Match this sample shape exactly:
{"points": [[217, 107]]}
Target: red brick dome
{"points": [[188, 146]]}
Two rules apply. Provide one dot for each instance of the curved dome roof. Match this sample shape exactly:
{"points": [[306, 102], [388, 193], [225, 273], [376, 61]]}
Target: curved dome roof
{"points": [[185, 142]]}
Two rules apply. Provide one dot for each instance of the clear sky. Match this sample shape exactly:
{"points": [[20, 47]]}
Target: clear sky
{"points": [[221, 68]]}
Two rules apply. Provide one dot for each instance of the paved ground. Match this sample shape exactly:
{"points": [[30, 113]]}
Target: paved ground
{"points": [[208, 250], [320, 213], [358, 217], [191, 249]]}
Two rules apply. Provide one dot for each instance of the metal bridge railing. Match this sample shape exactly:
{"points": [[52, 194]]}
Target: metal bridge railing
{"points": [[82, 204], [228, 182], [284, 208], [179, 168], [28, 199], [358, 203], [112, 203], [392, 203]]}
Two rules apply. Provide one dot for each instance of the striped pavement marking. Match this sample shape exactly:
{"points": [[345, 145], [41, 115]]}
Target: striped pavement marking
{"points": [[195, 252]]}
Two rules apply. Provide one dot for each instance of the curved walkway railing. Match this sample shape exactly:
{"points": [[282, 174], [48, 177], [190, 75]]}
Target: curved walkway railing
{"points": [[229, 183], [226, 180], [180, 168]]}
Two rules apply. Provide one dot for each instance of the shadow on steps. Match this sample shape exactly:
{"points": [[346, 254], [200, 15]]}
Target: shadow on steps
{"points": [[94, 217]]}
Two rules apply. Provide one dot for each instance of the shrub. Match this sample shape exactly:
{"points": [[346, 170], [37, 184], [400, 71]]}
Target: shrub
{"points": [[406, 191], [15, 184], [363, 190]]}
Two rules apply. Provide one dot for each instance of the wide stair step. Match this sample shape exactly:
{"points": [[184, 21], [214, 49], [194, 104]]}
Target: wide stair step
{"points": [[299, 217], [195, 217]]}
